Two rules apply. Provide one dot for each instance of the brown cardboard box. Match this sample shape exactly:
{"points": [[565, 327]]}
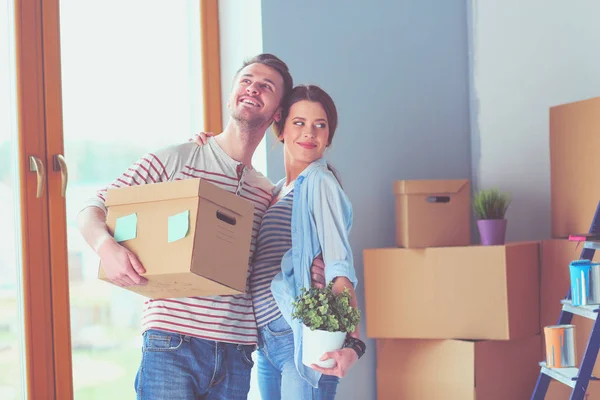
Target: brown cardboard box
{"points": [[211, 258], [433, 213], [574, 146], [456, 369], [476, 292], [555, 281]]}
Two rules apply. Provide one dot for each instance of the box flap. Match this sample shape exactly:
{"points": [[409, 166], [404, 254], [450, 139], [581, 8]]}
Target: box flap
{"points": [[430, 186], [225, 199], [153, 192], [179, 189]]}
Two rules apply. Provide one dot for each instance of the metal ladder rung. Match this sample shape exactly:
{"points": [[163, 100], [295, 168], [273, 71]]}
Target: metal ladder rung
{"points": [[590, 312], [568, 376], [591, 245]]}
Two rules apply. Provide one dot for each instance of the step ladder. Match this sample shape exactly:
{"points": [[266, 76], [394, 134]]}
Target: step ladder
{"points": [[576, 378]]}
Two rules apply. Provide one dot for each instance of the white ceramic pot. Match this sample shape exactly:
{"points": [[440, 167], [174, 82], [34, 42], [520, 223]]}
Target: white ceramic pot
{"points": [[316, 343]]}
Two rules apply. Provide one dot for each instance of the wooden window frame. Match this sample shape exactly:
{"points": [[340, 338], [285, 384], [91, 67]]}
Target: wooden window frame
{"points": [[43, 219]]}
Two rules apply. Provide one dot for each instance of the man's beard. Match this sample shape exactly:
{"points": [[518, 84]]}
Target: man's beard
{"points": [[249, 123]]}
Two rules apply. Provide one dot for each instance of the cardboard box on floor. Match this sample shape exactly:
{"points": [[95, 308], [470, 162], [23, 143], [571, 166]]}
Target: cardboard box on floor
{"points": [[475, 292], [433, 213], [574, 146], [418, 369], [192, 237]]}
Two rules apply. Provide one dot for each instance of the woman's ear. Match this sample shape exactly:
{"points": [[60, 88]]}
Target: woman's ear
{"points": [[277, 115]]}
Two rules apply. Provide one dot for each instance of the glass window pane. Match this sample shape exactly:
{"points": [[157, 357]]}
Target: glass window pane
{"points": [[131, 81], [12, 360]]}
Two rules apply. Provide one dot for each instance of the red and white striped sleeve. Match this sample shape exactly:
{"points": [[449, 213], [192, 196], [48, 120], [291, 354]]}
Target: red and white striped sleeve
{"points": [[148, 169]]}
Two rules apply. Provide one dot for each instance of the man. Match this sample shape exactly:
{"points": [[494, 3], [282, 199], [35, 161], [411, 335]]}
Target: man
{"points": [[200, 347]]}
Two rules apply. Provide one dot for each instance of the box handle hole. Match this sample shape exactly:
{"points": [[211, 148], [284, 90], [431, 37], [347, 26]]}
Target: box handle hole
{"points": [[226, 218], [438, 199]]}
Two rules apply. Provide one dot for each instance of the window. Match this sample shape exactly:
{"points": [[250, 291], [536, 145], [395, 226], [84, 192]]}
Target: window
{"points": [[124, 77]]}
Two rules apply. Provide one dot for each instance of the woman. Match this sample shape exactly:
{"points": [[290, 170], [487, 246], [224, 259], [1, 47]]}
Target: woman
{"points": [[309, 215]]}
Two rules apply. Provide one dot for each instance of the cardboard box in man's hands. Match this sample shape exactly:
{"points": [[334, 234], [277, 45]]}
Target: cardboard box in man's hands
{"points": [[192, 237]]}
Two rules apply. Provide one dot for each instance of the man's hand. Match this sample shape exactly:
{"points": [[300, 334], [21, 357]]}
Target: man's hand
{"points": [[344, 358], [121, 266], [317, 272], [201, 138]]}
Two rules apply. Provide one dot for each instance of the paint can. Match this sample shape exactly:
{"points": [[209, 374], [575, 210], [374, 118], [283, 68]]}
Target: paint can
{"points": [[585, 282], [560, 346]]}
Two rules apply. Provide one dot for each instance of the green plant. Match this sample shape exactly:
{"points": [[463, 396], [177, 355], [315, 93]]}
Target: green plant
{"points": [[490, 204], [322, 309]]}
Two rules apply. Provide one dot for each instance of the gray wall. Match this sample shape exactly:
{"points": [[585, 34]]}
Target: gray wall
{"points": [[398, 72]]}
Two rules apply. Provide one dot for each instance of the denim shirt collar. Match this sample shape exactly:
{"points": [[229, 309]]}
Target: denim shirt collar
{"points": [[321, 162]]}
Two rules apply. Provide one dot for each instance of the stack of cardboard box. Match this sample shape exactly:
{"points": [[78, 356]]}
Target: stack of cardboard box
{"points": [[452, 320], [575, 192]]}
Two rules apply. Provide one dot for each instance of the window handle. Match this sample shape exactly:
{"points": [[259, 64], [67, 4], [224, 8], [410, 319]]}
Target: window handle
{"points": [[60, 164], [36, 165]]}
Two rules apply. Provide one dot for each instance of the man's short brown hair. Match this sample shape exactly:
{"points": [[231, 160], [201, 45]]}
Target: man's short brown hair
{"points": [[274, 62]]}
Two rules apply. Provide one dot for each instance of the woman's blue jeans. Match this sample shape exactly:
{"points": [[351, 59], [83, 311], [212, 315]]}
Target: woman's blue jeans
{"points": [[277, 374]]}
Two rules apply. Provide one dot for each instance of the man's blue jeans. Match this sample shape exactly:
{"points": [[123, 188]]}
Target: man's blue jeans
{"points": [[178, 367], [277, 374]]}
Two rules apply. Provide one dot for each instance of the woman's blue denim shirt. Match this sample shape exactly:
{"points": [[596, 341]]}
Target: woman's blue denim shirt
{"points": [[321, 222]]}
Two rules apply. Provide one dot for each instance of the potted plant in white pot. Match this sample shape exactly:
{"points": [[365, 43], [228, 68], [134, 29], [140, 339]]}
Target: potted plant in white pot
{"points": [[326, 319], [490, 208]]}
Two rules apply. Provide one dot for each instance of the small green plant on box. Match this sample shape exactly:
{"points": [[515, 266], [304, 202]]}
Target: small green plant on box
{"points": [[321, 309], [490, 204]]}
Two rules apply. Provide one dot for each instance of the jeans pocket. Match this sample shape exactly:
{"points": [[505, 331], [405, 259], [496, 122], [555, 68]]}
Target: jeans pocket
{"points": [[161, 341], [279, 327], [246, 354]]}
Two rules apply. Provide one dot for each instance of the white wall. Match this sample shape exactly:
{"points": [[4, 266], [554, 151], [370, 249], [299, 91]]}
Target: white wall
{"points": [[525, 57], [240, 30]]}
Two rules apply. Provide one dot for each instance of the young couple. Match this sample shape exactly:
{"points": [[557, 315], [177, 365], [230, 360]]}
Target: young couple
{"points": [[200, 347]]}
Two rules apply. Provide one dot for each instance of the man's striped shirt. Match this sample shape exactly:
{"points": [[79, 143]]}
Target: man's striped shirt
{"points": [[221, 318]]}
